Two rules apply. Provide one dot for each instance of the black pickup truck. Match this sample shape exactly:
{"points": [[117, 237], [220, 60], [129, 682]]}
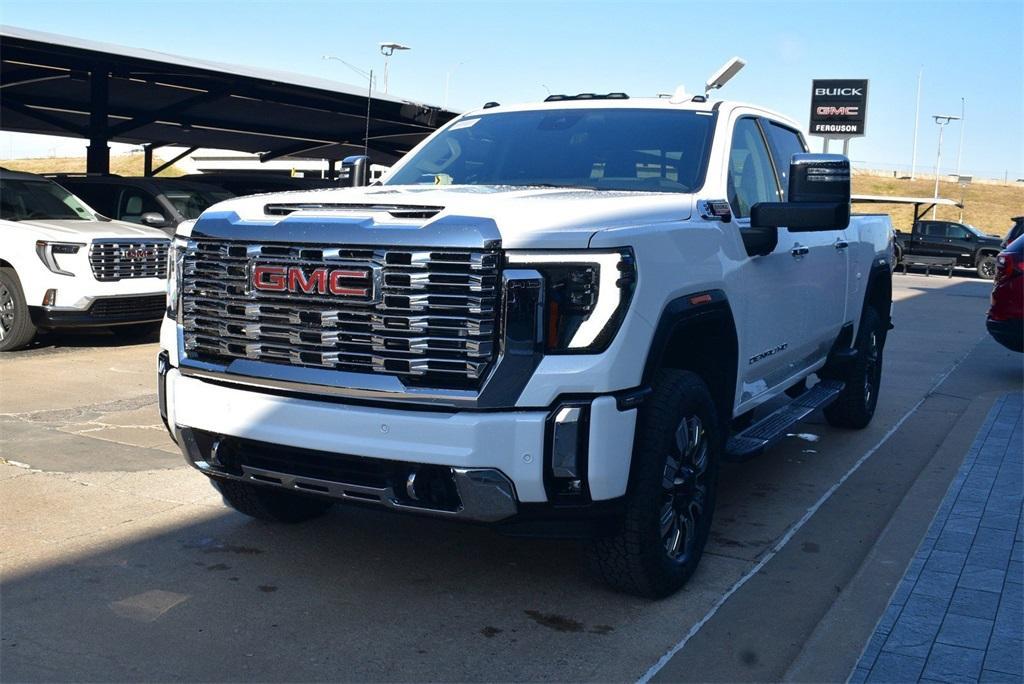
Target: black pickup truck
{"points": [[946, 239]]}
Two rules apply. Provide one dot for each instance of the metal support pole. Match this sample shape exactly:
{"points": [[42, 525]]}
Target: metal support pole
{"points": [[97, 154], [331, 167], [147, 160], [846, 147], [938, 160]]}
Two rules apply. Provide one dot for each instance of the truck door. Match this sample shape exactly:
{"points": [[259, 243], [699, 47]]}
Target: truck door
{"points": [[959, 244], [828, 256], [772, 310], [929, 239]]}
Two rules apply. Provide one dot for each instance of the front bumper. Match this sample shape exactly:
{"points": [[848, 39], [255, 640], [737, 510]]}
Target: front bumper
{"points": [[1009, 333], [102, 311], [496, 464]]}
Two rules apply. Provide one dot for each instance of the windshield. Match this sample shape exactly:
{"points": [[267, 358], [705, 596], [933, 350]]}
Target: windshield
{"points": [[191, 202], [21, 200], [605, 149]]}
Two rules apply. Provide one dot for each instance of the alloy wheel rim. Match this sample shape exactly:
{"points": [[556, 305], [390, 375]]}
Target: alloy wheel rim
{"points": [[6, 311], [684, 485], [988, 268]]}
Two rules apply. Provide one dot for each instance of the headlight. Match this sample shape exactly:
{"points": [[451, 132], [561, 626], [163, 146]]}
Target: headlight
{"points": [[586, 296], [175, 266], [48, 252]]}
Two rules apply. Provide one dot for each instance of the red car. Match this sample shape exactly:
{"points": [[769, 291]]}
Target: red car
{"points": [[1006, 315]]}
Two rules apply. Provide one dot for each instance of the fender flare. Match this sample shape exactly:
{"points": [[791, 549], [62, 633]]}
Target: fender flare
{"points": [[701, 308]]}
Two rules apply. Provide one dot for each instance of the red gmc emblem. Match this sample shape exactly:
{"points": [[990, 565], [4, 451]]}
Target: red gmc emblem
{"points": [[347, 281]]}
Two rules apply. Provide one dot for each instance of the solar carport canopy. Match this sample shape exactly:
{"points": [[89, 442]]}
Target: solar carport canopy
{"points": [[58, 85]]}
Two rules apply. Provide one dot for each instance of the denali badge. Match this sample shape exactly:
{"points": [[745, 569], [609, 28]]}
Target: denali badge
{"points": [[350, 282]]}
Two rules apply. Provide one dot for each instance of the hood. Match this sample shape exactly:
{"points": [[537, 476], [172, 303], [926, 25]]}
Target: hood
{"points": [[525, 217], [85, 231]]}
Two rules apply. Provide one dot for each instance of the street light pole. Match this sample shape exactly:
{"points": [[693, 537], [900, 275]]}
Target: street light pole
{"points": [[963, 123], [388, 49], [917, 121], [368, 75], [942, 120]]}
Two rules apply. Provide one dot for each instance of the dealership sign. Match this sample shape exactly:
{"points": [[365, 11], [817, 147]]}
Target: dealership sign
{"points": [[839, 107]]}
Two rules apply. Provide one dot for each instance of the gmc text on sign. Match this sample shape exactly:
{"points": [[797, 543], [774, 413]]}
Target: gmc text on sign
{"points": [[838, 107]]}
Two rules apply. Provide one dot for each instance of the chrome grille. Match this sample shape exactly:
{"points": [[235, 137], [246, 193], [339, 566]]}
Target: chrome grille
{"points": [[117, 260], [433, 321]]}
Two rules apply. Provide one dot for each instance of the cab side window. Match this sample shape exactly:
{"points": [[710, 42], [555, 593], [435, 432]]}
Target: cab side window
{"points": [[134, 203], [785, 143], [955, 232], [751, 176]]}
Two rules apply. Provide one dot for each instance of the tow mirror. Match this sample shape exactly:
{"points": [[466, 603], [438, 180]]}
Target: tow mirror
{"points": [[153, 218], [819, 196], [355, 171]]}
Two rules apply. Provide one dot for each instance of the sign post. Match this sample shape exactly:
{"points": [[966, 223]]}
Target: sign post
{"points": [[839, 110]]}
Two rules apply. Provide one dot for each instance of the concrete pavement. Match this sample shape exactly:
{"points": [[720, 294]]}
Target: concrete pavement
{"points": [[120, 563]]}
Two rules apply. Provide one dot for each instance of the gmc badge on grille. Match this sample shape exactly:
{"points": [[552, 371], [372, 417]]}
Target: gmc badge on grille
{"points": [[349, 282], [136, 253]]}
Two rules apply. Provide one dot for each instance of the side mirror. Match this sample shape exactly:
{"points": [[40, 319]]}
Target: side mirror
{"points": [[357, 170], [153, 218], [819, 196]]}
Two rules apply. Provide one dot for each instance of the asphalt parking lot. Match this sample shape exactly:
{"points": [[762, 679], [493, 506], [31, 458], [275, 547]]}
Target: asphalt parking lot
{"points": [[120, 563]]}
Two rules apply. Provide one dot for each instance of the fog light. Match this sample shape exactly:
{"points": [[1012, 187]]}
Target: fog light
{"points": [[50, 298]]}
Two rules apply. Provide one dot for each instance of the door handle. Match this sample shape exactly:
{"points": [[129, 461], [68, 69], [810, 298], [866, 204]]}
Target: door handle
{"points": [[842, 244], [799, 251]]}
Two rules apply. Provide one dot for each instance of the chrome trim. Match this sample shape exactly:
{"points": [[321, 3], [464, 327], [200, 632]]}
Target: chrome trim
{"points": [[486, 494], [565, 435], [519, 352], [452, 295], [110, 261]]}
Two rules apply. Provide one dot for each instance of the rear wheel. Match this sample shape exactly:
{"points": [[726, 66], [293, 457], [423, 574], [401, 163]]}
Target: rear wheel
{"points": [[269, 504], [671, 497], [856, 403], [986, 266], [16, 327]]}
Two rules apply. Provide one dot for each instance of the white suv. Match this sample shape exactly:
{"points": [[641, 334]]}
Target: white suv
{"points": [[63, 265]]}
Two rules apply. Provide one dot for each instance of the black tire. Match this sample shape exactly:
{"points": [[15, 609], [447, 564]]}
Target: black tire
{"points": [[268, 504], [986, 266], [137, 332], [668, 515], [16, 327], [856, 403]]}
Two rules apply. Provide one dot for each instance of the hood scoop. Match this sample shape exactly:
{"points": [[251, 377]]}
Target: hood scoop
{"points": [[401, 211]]}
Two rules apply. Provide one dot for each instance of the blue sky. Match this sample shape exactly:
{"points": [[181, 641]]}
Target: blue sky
{"points": [[512, 51]]}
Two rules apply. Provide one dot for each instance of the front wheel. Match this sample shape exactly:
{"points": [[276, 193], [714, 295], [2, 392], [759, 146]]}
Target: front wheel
{"points": [[986, 267], [16, 327], [671, 497], [856, 404]]}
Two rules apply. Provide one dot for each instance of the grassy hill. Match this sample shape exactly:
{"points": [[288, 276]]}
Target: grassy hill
{"points": [[121, 164], [987, 206]]}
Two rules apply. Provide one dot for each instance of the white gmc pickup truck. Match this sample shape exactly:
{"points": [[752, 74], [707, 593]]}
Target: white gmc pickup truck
{"points": [[62, 265], [554, 318]]}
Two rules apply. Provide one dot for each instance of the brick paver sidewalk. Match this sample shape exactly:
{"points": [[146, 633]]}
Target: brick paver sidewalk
{"points": [[957, 615]]}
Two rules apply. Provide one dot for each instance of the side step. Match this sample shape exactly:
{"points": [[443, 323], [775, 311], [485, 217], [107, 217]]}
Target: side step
{"points": [[773, 427]]}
